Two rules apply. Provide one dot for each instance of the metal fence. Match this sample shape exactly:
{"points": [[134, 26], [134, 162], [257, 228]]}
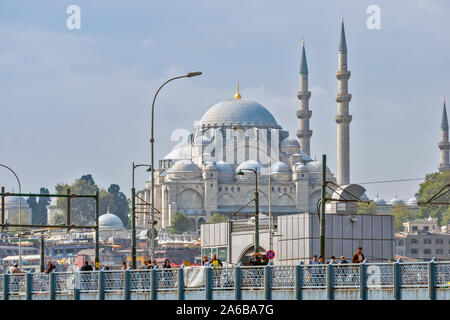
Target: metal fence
{"points": [[376, 276]]}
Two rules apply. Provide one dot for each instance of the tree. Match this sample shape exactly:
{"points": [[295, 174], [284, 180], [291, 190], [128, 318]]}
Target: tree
{"points": [[42, 204], [217, 218], [402, 214], [59, 219], [120, 205], [181, 223], [432, 184], [366, 208], [32, 203]]}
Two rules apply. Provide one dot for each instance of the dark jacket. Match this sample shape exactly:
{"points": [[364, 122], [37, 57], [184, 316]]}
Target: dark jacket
{"points": [[86, 267], [355, 257]]}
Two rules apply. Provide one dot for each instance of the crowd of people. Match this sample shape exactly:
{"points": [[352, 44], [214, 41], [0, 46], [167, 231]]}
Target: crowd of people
{"points": [[358, 257]]}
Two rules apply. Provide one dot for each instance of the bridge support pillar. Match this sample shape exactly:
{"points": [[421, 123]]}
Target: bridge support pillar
{"points": [[28, 285], [330, 282], [52, 285], [126, 285], [267, 282], [101, 285], [237, 282], [208, 283], [362, 281], [397, 281], [298, 280], [432, 279], [181, 283], [5, 286], [153, 284]]}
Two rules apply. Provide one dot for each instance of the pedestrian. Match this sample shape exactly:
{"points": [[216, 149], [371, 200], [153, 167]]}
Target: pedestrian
{"points": [[332, 260], [314, 260], [205, 261], [50, 267], [124, 265], [321, 260], [155, 265], [15, 269], [166, 264], [358, 257], [216, 262], [86, 267], [342, 261], [312, 271]]}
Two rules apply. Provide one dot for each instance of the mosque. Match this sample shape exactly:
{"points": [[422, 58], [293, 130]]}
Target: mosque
{"points": [[199, 177]]}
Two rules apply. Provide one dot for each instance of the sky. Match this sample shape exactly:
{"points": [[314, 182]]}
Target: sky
{"points": [[76, 102]]}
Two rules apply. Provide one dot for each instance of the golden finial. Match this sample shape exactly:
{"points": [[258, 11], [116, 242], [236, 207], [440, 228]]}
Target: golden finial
{"points": [[237, 95], [303, 42], [342, 18]]}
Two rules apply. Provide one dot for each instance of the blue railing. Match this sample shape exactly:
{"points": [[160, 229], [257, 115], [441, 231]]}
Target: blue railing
{"points": [[364, 277]]}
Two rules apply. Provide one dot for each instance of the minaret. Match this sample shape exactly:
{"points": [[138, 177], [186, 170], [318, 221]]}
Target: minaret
{"points": [[304, 114], [343, 118], [444, 145]]}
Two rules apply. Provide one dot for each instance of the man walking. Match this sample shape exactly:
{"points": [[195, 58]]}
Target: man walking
{"points": [[358, 257]]}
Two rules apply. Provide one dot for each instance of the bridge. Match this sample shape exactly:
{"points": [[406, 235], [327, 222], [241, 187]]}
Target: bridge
{"points": [[365, 281]]}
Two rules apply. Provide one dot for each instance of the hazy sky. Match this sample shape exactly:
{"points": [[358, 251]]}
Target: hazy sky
{"points": [[75, 102]]}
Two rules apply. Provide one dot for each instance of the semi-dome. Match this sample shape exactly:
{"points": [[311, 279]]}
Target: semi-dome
{"points": [[301, 168], [290, 142], [184, 166], [249, 164], [316, 166], [111, 221], [238, 112], [279, 167], [179, 152], [396, 201], [412, 203], [224, 167], [379, 201]]}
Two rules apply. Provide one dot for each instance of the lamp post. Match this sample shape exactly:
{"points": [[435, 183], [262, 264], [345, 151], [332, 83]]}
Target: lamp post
{"points": [[256, 241], [133, 214], [152, 142], [20, 212]]}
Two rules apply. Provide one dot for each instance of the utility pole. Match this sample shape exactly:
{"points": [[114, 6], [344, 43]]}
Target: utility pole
{"points": [[97, 231], [322, 206], [42, 252]]}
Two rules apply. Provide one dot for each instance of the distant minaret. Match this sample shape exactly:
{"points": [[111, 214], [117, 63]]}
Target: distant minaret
{"points": [[304, 114], [444, 145], [343, 118]]}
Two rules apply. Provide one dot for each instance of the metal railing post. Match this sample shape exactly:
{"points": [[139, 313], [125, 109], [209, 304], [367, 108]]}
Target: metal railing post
{"points": [[363, 281], [126, 284], [101, 285], [237, 282], [330, 282], [181, 283], [432, 279], [5, 286], [76, 286], [153, 284], [298, 280], [267, 282], [397, 280], [52, 286], [208, 283], [28, 285]]}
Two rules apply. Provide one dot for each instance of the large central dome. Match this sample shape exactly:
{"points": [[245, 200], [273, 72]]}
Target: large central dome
{"points": [[238, 112]]}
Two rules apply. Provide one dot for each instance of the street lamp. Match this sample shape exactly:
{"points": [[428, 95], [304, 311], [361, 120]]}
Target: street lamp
{"points": [[256, 241], [152, 142], [133, 214], [20, 211]]}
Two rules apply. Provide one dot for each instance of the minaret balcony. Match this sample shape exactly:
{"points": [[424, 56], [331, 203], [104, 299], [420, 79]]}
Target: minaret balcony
{"points": [[444, 167], [343, 74], [304, 95], [343, 118], [303, 114], [304, 134], [444, 145], [343, 97]]}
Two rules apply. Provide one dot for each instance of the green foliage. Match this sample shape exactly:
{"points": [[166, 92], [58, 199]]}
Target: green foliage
{"points": [[366, 208], [59, 219], [402, 214], [217, 218], [181, 223], [39, 208], [432, 184], [120, 205]]}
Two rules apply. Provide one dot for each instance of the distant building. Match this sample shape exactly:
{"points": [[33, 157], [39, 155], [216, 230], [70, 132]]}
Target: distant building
{"points": [[12, 205]]}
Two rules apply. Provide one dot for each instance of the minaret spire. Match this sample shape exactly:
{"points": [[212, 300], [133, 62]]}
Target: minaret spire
{"points": [[304, 114], [343, 118], [444, 145]]}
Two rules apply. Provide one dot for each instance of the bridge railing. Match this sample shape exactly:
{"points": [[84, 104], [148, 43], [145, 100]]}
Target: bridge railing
{"points": [[366, 276]]}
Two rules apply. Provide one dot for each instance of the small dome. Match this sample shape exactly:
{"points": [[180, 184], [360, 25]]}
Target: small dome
{"points": [[224, 167], [210, 166], [412, 202], [249, 164], [379, 202], [301, 168], [111, 221], [184, 166], [396, 201], [279, 167], [290, 142], [364, 197]]}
